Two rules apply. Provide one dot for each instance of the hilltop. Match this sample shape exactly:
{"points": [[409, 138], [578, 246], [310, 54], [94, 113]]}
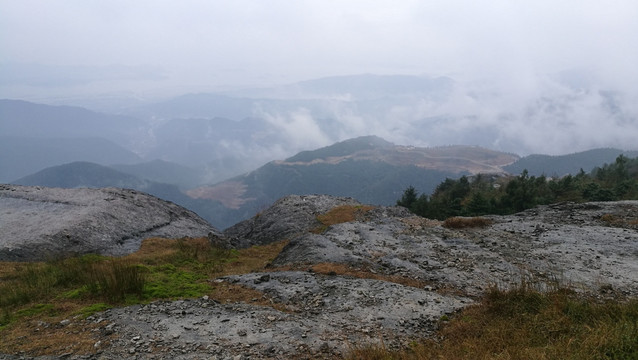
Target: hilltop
{"points": [[348, 273], [367, 168]]}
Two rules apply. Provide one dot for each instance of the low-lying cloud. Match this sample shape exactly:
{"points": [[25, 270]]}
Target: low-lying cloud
{"points": [[544, 115]]}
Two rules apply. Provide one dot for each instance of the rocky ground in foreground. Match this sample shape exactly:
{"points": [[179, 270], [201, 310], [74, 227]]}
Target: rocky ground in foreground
{"points": [[384, 275]]}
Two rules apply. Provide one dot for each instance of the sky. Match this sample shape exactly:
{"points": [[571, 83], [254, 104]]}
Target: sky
{"points": [[214, 44], [510, 57]]}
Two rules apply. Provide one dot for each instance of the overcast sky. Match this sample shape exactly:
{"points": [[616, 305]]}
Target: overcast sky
{"points": [[207, 44], [533, 76]]}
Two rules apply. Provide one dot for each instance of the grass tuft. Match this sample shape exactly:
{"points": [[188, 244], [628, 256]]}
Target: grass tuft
{"points": [[616, 221], [114, 279], [341, 214]]}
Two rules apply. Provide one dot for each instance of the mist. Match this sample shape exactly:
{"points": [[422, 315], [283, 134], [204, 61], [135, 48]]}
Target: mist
{"points": [[540, 77]]}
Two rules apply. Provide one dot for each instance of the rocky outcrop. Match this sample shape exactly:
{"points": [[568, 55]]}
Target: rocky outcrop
{"points": [[387, 277], [287, 218], [39, 223], [587, 246]]}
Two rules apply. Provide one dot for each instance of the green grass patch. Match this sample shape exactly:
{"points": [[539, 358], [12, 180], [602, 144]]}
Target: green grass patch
{"points": [[75, 293], [5, 318], [36, 309], [167, 282], [92, 309], [162, 269], [115, 279]]}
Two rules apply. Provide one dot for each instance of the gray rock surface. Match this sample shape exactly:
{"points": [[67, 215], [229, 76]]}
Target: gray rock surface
{"points": [[39, 222], [568, 244], [590, 247], [327, 315]]}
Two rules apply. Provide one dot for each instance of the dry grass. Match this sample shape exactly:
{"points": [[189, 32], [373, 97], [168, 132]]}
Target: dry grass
{"points": [[613, 220], [42, 334], [525, 324], [458, 222], [341, 214], [344, 213], [344, 270], [253, 259]]}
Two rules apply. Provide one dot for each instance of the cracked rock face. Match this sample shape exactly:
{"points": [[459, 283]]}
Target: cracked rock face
{"points": [[39, 223]]}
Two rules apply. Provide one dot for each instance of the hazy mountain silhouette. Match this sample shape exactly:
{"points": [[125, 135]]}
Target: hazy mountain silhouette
{"points": [[22, 156], [26, 119], [163, 172], [566, 164]]}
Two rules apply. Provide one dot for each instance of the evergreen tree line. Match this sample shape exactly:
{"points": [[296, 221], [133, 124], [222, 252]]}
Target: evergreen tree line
{"points": [[485, 194]]}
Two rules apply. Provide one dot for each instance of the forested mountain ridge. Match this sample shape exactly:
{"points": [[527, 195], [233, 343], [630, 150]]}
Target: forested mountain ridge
{"points": [[484, 194]]}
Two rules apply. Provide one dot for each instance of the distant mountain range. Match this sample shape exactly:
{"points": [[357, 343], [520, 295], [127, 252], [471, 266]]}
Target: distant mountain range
{"points": [[164, 172], [357, 87], [557, 166], [369, 169], [226, 134], [219, 154], [29, 120], [21, 156]]}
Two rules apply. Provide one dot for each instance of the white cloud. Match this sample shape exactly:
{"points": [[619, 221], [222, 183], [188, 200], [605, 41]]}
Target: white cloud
{"points": [[298, 127]]}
